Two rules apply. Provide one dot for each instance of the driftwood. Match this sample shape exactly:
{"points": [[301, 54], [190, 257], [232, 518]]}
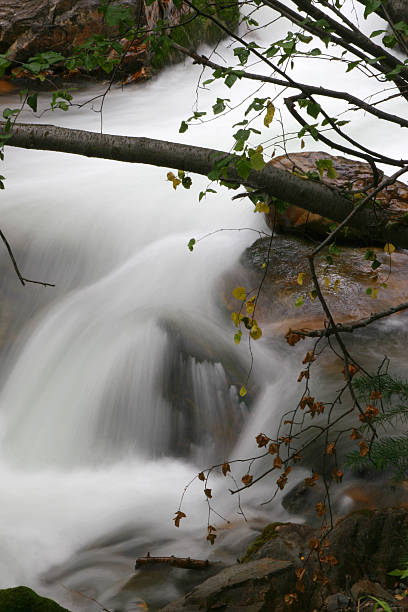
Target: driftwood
{"points": [[183, 562]]}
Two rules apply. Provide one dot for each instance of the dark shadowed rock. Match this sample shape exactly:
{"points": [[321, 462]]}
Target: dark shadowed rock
{"points": [[258, 586]]}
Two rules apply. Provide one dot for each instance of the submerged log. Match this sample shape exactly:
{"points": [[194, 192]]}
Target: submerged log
{"points": [[182, 562]]}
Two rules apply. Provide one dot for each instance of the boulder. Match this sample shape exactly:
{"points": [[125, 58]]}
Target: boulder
{"points": [[257, 586], [34, 26], [23, 599], [344, 282], [351, 175]]}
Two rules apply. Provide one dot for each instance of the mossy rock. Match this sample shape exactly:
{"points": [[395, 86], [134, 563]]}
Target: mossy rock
{"points": [[23, 599], [268, 533]]}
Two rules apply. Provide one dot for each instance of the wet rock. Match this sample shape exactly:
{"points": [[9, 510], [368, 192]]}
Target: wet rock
{"points": [[258, 586], [344, 283], [35, 26], [23, 599], [351, 176]]}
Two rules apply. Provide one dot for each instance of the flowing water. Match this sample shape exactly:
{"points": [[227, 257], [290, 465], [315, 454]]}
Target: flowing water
{"points": [[121, 383]]}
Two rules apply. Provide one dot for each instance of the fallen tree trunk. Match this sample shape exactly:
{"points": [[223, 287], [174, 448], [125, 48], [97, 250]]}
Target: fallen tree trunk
{"points": [[374, 225], [182, 562]]}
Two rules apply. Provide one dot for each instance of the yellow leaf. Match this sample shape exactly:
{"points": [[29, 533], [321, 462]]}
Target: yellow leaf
{"points": [[300, 278], [242, 391], [173, 179], [255, 332], [374, 292], [239, 293], [236, 317], [312, 295], [326, 281], [389, 248], [336, 284], [262, 207], [270, 111], [250, 305]]}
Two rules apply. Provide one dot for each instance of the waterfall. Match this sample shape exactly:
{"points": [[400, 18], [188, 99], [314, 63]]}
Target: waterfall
{"points": [[121, 383]]}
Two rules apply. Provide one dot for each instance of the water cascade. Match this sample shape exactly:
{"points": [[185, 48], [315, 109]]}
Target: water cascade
{"points": [[120, 383]]}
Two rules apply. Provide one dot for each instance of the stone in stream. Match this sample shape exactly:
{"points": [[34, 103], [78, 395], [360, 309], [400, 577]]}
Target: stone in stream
{"points": [[351, 175]]}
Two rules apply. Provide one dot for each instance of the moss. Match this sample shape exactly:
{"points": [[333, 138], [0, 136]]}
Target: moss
{"points": [[23, 599], [268, 533]]}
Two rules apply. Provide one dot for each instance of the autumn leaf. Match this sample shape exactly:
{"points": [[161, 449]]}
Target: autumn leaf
{"points": [[314, 544], [239, 293], [389, 248], [236, 318], [247, 479], [255, 332], [273, 448], [262, 440], [320, 509], [337, 475], [178, 517], [281, 482], [242, 391], [262, 207], [300, 572], [300, 586], [352, 370], [201, 476], [292, 338], [173, 179], [364, 450], [270, 111], [355, 434], [277, 462], [300, 278], [330, 450], [305, 374], [309, 357], [208, 493], [376, 395], [211, 538], [225, 468]]}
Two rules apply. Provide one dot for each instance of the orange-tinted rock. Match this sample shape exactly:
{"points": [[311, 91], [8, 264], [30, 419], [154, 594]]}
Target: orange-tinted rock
{"points": [[344, 283], [351, 176]]}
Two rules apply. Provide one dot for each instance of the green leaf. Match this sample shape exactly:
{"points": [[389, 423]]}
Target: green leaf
{"points": [[183, 127], [32, 101], [257, 161], [191, 244], [238, 336], [219, 106], [243, 167], [230, 79], [186, 182], [9, 112], [371, 6], [299, 301]]}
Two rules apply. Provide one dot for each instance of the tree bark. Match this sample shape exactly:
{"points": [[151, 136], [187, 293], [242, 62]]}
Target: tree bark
{"points": [[375, 226]]}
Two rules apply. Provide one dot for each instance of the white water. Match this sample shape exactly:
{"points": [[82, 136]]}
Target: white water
{"points": [[87, 422]]}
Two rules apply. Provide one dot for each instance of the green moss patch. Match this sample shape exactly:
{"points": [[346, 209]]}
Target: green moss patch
{"points": [[23, 599], [268, 533]]}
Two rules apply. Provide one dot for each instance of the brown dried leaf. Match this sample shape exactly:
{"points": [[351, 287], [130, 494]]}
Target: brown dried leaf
{"points": [[364, 450], [277, 462], [330, 450], [273, 448], [292, 338], [247, 479], [309, 357], [208, 493], [262, 440], [225, 468], [320, 509], [178, 517], [355, 434], [211, 538], [201, 476]]}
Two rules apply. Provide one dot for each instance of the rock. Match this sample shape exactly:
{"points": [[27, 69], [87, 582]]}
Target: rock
{"points": [[366, 588], [348, 278], [35, 26], [23, 599], [257, 586], [368, 544], [337, 602], [285, 541], [351, 175]]}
